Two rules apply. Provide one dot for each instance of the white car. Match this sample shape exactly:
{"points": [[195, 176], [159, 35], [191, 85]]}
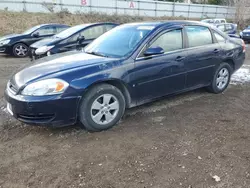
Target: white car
{"points": [[214, 21]]}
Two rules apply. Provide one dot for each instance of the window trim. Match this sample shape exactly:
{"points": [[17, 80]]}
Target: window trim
{"points": [[54, 30], [187, 42], [228, 25], [146, 46], [213, 31], [223, 26]]}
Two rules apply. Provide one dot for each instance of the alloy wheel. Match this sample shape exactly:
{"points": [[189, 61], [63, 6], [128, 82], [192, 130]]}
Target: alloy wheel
{"points": [[222, 78], [104, 109], [21, 50]]}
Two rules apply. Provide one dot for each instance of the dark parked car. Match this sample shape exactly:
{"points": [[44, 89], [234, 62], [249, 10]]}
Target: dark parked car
{"points": [[130, 65], [228, 28], [18, 44], [245, 34], [73, 38]]}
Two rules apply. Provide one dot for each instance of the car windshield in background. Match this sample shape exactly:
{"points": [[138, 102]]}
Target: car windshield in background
{"points": [[31, 30], [208, 21], [119, 41], [68, 32]]}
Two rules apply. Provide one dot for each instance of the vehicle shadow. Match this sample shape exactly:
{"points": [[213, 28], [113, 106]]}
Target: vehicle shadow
{"points": [[152, 107]]}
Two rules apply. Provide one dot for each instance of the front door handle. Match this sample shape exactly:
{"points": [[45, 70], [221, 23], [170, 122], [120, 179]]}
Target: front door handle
{"points": [[216, 51], [180, 58]]}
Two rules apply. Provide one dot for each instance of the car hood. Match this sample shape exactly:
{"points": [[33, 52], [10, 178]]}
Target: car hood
{"points": [[46, 42], [10, 36], [246, 31], [56, 64]]}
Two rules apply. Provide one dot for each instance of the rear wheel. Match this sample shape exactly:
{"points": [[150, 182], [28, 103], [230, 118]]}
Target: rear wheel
{"points": [[221, 78], [20, 50], [102, 107]]}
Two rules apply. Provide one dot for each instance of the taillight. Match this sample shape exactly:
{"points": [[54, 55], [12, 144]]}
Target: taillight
{"points": [[243, 45]]}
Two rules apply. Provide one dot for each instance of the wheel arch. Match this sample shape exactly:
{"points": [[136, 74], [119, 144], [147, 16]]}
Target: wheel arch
{"points": [[19, 42], [231, 63], [118, 84]]}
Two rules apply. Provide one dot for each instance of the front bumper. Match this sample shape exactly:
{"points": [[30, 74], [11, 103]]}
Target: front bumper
{"points": [[34, 56], [52, 111], [6, 49], [246, 38]]}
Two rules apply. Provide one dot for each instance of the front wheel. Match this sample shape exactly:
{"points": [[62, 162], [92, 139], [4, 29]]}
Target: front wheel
{"points": [[102, 107], [221, 78], [20, 50]]}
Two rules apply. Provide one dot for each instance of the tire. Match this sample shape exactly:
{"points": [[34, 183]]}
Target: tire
{"points": [[94, 115], [20, 50], [221, 78]]}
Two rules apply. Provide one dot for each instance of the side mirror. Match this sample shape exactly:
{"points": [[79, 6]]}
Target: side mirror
{"points": [[36, 34], [154, 51], [80, 39]]}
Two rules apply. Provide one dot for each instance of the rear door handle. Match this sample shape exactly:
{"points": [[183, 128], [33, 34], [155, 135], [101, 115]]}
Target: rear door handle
{"points": [[180, 58], [216, 51]]}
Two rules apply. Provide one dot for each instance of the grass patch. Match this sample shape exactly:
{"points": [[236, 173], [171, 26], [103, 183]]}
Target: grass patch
{"points": [[17, 22]]}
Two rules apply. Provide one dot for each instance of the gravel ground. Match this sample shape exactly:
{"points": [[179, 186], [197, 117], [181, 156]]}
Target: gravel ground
{"points": [[193, 140]]}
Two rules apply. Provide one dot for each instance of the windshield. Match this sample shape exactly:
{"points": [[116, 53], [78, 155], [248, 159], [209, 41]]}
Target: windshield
{"points": [[31, 30], [70, 31], [119, 41]]}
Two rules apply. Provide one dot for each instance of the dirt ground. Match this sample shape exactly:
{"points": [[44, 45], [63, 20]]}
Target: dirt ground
{"points": [[178, 142]]}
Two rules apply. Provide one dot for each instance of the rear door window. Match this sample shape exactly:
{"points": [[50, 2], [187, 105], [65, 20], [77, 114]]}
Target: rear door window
{"points": [[60, 29], [228, 27], [218, 37], [94, 32], [221, 27], [109, 27], [198, 36]]}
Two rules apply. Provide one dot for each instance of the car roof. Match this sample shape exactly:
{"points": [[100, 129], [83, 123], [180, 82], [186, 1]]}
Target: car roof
{"points": [[48, 24], [93, 24], [170, 23]]}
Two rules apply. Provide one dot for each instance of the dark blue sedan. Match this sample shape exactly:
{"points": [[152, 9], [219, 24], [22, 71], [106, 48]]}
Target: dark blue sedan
{"points": [[128, 66], [245, 34], [70, 39], [18, 44]]}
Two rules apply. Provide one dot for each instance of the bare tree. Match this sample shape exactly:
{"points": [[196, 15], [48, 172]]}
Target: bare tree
{"points": [[242, 12]]}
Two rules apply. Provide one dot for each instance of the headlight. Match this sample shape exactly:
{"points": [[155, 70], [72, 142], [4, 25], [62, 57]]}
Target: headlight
{"points": [[3, 42], [43, 50], [46, 87]]}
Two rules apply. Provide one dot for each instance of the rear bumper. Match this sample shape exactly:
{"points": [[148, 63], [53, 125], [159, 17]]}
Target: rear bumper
{"points": [[239, 61], [52, 111]]}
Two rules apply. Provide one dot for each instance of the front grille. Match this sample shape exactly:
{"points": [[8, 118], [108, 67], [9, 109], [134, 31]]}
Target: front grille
{"points": [[36, 118]]}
